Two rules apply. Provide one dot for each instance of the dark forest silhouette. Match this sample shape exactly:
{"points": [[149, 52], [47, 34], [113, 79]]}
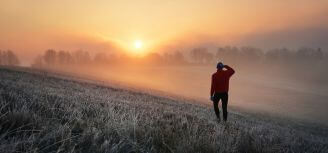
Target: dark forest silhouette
{"points": [[8, 58], [239, 56], [243, 56]]}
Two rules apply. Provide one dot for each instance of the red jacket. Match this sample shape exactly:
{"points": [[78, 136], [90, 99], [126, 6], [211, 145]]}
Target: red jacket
{"points": [[220, 80]]}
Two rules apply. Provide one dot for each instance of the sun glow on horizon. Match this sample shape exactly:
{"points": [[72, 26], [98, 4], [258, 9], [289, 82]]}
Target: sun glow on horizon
{"points": [[138, 44], [141, 27]]}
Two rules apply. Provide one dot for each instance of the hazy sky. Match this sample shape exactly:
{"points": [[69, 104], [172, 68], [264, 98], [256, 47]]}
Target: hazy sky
{"points": [[30, 26]]}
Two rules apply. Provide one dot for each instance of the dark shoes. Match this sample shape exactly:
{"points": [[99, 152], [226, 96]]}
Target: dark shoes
{"points": [[219, 120]]}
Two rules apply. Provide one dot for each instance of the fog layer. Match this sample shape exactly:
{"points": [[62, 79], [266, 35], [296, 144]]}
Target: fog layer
{"points": [[291, 84]]}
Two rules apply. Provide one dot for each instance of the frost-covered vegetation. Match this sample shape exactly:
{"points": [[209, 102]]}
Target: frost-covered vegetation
{"points": [[43, 113]]}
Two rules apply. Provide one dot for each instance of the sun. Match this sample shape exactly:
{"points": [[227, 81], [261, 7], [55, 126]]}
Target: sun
{"points": [[138, 44]]}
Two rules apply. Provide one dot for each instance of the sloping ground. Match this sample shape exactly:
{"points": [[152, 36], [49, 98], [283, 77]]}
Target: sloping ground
{"points": [[41, 113]]}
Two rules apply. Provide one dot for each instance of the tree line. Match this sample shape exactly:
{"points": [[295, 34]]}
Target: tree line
{"points": [[8, 58], [253, 55], [196, 56], [53, 58]]}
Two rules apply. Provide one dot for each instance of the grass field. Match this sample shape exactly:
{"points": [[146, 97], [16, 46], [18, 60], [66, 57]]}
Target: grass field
{"points": [[42, 112]]}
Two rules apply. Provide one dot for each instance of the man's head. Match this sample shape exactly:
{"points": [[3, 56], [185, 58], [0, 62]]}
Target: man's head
{"points": [[220, 66]]}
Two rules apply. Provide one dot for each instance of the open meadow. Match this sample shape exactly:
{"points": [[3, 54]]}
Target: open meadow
{"points": [[46, 112]]}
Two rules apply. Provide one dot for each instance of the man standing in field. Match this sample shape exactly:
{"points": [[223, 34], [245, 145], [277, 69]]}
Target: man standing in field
{"points": [[220, 88]]}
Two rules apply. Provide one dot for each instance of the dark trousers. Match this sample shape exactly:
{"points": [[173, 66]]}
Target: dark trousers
{"points": [[224, 98]]}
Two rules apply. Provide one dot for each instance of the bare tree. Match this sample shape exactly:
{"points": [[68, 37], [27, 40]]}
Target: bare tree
{"points": [[64, 57], [82, 57], [50, 57], [228, 54], [251, 54], [174, 58], [12, 58], [8, 58], [282, 55], [201, 55]]}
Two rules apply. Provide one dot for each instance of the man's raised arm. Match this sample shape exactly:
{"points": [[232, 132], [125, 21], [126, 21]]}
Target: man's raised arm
{"points": [[230, 70]]}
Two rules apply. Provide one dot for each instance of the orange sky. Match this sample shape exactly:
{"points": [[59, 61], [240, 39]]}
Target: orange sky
{"points": [[31, 26]]}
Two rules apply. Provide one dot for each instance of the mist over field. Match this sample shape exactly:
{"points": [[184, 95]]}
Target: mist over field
{"points": [[279, 92], [281, 82]]}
